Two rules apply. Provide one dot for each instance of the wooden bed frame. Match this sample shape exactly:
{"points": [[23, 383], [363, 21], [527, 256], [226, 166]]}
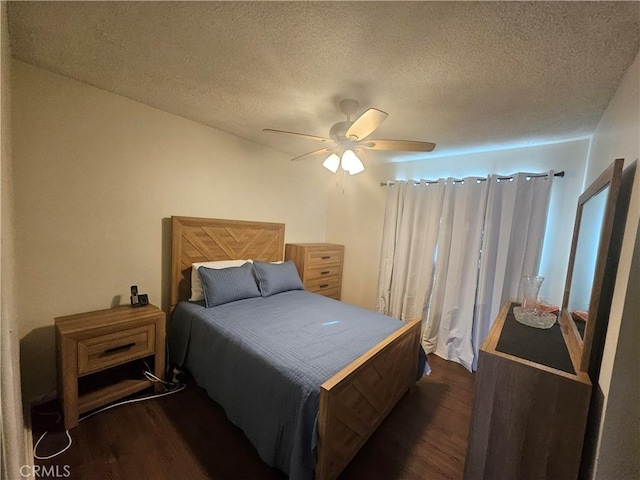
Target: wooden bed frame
{"points": [[355, 400]]}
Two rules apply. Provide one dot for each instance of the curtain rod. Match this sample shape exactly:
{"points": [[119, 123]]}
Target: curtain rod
{"points": [[388, 183]]}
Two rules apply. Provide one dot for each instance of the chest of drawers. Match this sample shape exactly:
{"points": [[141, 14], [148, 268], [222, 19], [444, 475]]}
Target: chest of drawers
{"points": [[319, 266]]}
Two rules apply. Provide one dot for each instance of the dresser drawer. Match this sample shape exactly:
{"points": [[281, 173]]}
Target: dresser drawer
{"points": [[329, 291], [323, 285], [318, 258], [324, 271], [105, 351]]}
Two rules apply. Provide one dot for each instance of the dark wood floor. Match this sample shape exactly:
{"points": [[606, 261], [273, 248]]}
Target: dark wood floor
{"points": [[187, 435]]}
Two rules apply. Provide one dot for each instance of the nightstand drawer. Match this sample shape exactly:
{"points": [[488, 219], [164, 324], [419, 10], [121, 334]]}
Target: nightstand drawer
{"points": [[319, 258], [323, 272], [105, 351]]}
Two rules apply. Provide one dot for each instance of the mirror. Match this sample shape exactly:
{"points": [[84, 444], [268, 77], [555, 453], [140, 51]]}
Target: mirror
{"points": [[586, 254], [588, 260]]}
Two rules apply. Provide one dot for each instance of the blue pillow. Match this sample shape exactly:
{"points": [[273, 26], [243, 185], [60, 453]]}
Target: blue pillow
{"points": [[224, 285], [277, 277]]}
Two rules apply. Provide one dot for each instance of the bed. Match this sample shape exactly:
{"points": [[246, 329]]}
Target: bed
{"points": [[306, 404]]}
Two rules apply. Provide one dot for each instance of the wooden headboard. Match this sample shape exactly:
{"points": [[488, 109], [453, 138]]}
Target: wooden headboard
{"points": [[208, 239]]}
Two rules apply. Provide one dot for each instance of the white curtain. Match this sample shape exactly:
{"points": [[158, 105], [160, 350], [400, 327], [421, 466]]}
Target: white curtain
{"points": [[15, 445], [393, 207], [454, 251], [412, 219], [448, 327], [12, 438], [514, 228]]}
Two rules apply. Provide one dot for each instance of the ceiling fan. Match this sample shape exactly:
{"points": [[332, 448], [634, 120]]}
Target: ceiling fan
{"points": [[349, 139]]}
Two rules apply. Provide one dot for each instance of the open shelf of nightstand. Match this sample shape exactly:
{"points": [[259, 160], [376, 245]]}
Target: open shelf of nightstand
{"points": [[99, 388], [98, 398]]}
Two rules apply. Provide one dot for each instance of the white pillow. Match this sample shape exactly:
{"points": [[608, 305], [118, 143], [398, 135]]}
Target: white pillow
{"points": [[196, 285]]}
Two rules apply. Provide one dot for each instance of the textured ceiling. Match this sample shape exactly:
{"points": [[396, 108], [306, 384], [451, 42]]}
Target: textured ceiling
{"points": [[466, 75]]}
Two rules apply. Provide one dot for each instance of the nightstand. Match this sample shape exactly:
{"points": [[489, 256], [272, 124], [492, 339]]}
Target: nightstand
{"points": [[319, 266], [100, 356]]}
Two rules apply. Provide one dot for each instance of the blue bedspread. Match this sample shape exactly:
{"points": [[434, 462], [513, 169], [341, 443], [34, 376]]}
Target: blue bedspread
{"points": [[264, 359]]}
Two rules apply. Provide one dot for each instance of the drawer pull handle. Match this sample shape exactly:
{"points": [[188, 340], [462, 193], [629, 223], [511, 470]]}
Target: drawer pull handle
{"points": [[127, 346], [324, 285], [325, 272], [326, 257]]}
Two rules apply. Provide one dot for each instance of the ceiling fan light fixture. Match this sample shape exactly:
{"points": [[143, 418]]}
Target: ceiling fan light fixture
{"points": [[332, 163], [351, 163], [347, 137]]}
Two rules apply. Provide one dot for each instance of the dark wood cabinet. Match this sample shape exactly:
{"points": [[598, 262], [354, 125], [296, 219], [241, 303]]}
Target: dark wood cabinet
{"points": [[530, 404]]}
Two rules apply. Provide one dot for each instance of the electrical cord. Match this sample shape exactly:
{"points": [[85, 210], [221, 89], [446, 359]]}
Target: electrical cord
{"points": [[134, 400], [148, 375], [35, 448], [152, 378]]}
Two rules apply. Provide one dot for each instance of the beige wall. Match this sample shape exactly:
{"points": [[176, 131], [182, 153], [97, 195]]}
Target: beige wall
{"points": [[356, 209], [96, 174], [355, 220], [618, 132], [618, 136]]}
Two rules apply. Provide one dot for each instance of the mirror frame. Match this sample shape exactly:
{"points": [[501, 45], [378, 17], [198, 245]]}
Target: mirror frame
{"points": [[611, 178]]}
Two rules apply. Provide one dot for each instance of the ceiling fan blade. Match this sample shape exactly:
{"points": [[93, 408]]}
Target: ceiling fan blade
{"points": [[399, 145], [310, 154], [366, 123], [303, 135]]}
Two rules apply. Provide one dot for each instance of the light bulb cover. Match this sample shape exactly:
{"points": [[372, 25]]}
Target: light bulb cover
{"points": [[351, 163], [332, 163], [357, 168]]}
